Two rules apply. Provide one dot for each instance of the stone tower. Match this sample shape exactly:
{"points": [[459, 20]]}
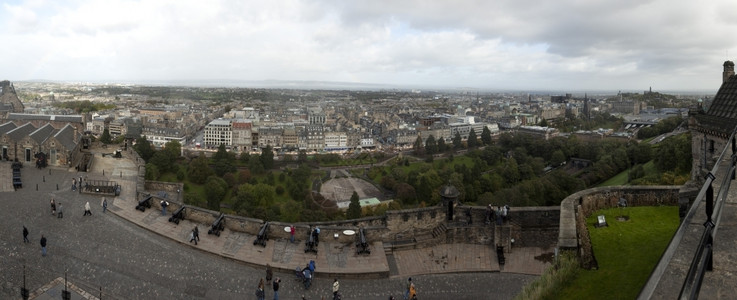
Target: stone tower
{"points": [[9, 101], [449, 194], [728, 70]]}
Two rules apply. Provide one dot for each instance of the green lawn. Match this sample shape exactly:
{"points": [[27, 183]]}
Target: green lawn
{"points": [[621, 178], [626, 252]]}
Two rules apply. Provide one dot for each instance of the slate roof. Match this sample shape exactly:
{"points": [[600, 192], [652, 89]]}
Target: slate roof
{"points": [[60, 118], [41, 134], [4, 128], [722, 114], [22, 131], [65, 136]]}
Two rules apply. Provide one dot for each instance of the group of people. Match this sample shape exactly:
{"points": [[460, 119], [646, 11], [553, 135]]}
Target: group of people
{"points": [[43, 240], [498, 215], [261, 289], [74, 184], [58, 210]]}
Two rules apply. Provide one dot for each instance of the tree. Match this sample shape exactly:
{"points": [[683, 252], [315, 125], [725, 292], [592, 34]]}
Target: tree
{"points": [[406, 193], [224, 161], [199, 169], [417, 146], [216, 188], [457, 141], [254, 164], [302, 156], [174, 149], [143, 147], [105, 138], [441, 145], [267, 157], [486, 136], [250, 196], [557, 158], [472, 139], [430, 145], [354, 208], [244, 158], [152, 172], [222, 153], [162, 161]]}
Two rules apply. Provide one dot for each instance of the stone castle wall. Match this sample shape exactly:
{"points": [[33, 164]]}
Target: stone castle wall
{"points": [[532, 226], [577, 207]]}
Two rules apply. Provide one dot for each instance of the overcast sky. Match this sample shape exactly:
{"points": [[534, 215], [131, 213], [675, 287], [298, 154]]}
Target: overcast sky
{"points": [[489, 44]]}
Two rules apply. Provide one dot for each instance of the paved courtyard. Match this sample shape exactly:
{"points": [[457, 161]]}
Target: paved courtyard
{"points": [[120, 258]]}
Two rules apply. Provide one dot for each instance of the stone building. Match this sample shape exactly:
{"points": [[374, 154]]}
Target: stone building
{"points": [[710, 129], [22, 143]]}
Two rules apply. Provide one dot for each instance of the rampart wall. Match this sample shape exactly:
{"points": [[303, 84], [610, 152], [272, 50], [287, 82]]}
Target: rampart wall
{"points": [[577, 207]]}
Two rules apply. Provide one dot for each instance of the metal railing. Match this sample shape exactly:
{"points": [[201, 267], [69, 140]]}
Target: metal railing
{"points": [[702, 260]]}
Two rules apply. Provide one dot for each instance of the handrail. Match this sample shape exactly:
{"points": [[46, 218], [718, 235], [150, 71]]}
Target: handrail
{"points": [[702, 260], [647, 290]]}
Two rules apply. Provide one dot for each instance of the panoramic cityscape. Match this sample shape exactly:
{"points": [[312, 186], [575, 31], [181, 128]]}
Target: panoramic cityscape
{"points": [[366, 150]]}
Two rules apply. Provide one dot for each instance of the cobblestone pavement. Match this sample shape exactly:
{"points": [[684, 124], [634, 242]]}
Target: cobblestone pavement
{"points": [[107, 252]]}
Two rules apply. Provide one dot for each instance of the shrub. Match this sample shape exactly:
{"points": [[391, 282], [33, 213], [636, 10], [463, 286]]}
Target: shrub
{"points": [[553, 279]]}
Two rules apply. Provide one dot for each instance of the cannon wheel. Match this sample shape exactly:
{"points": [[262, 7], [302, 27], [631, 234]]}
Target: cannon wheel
{"points": [[217, 233], [176, 221]]}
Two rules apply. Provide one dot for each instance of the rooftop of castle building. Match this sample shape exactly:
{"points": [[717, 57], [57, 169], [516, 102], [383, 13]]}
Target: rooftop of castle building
{"points": [[722, 114]]}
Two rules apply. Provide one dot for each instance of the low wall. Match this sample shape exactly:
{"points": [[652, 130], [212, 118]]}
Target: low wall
{"points": [[532, 226]]}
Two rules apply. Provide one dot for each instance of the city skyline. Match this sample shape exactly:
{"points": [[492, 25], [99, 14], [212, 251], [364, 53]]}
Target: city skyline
{"points": [[499, 45]]}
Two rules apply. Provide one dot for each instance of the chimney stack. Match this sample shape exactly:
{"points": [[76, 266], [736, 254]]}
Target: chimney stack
{"points": [[728, 70]]}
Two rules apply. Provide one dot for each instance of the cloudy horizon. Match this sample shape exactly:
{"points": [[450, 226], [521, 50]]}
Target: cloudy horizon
{"points": [[505, 45]]}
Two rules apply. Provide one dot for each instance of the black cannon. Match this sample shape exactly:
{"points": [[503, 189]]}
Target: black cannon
{"points": [[177, 216], [262, 236], [144, 203], [217, 226], [362, 245], [311, 244], [17, 182]]}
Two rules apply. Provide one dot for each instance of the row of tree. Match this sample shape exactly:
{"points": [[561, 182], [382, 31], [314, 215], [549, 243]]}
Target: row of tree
{"points": [[432, 146]]}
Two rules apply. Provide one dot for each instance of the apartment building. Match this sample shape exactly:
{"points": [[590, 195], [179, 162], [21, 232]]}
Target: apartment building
{"points": [[218, 132]]}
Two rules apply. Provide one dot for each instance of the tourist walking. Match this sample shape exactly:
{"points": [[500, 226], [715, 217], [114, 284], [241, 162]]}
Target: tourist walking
{"points": [[87, 210], [260, 294], [275, 285], [409, 286], [43, 245], [336, 288], [104, 204], [192, 238], [196, 232], [25, 235], [74, 184], [60, 213], [53, 207]]}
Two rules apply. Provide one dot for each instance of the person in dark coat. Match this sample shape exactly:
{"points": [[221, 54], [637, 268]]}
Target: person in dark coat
{"points": [[25, 235], [269, 273], [276, 288], [43, 245]]}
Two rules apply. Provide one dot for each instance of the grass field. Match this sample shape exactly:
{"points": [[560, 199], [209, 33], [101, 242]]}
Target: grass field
{"points": [[621, 178], [626, 252]]}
